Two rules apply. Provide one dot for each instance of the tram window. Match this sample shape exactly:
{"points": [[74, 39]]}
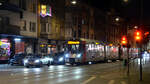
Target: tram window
{"points": [[77, 46], [73, 47]]}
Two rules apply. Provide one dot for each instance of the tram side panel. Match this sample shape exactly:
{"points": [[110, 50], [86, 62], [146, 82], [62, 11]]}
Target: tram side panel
{"points": [[112, 53], [94, 53], [133, 52]]}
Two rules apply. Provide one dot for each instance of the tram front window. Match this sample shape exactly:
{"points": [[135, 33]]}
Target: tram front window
{"points": [[74, 48]]}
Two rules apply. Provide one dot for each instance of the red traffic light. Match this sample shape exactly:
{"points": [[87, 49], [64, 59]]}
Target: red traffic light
{"points": [[138, 35], [124, 40]]}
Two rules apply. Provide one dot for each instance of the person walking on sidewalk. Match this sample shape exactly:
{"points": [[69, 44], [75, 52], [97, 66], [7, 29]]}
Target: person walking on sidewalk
{"points": [[124, 69]]}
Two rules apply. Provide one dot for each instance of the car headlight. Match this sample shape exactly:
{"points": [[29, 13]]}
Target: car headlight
{"points": [[36, 61], [67, 55], [61, 59], [79, 55], [25, 61], [51, 59]]}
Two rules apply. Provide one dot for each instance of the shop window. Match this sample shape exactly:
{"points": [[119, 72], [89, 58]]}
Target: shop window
{"points": [[32, 27], [4, 49]]}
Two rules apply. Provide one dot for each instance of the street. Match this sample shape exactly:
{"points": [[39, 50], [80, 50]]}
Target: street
{"points": [[105, 73]]}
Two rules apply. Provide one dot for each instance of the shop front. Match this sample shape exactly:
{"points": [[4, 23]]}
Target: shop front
{"points": [[42, 47], [51, 48], [5, 49]]}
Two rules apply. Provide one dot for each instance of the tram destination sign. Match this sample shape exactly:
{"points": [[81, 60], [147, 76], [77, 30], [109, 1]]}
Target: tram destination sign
{"points": [[73, 42]]}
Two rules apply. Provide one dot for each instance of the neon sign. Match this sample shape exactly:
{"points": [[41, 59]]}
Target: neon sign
{"points": [[46, 11]]}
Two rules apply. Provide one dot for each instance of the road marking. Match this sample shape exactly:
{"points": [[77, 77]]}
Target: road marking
{"points": [[111, 82], [122, 82], [87, 81]]}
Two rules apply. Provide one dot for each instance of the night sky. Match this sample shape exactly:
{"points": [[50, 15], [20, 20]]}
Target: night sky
{"points": [[127, 10]]}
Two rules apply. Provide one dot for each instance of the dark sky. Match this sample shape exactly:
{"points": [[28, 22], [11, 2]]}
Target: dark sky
{"points": [[129, 10]]}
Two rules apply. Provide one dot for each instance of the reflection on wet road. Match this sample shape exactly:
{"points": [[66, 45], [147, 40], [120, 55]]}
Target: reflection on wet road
{"points": [[61, 74]]}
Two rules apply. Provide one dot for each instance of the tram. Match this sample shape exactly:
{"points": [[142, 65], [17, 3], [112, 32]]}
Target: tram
{"points": [[90, 51]]}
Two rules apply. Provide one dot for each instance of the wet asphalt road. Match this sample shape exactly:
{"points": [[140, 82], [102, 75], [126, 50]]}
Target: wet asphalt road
{"points": [[87, 74], [104, 73]]}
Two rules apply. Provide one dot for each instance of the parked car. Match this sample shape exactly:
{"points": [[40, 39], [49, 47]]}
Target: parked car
{"points": [[47, 60], [17, 59], [59, 58], [32, 61]]}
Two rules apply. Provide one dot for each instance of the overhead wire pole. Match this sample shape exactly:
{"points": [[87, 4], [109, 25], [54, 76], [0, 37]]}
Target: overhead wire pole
{"points": [[140, 43], [128, 59]]}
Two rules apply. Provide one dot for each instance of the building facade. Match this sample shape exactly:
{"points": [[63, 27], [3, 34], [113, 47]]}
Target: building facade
{"points": [[79, 20]]}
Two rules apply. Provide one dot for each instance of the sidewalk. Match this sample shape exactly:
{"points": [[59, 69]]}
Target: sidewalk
{"points": [[6, 66], [120, 75]]}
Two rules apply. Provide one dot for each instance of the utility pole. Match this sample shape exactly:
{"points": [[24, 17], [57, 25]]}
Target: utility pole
{"points": [[138, 38], [128, 59], [140, 43]]}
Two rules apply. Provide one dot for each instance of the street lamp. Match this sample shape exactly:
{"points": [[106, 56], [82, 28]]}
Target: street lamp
{"points": [[1, 4], [117, 19], [135, 27], [74, 2], [126, 1]]}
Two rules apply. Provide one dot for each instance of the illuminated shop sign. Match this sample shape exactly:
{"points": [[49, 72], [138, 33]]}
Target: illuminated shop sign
{"points": [[46, 10], [1, 43], [73, 42], [42, 45], [51, 45]]}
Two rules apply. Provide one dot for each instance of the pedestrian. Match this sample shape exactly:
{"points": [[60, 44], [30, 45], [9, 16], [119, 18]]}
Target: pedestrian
{"points": [[124, 67], [48, 64], [125, 62]]}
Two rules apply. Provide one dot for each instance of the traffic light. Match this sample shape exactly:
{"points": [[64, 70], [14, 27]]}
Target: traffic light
{"points": [[124, 40], [138, 36]]}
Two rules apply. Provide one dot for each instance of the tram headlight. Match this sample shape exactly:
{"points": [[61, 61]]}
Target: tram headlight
{"points": [[36, 61], [51, 59], [66, 55], [78, 55], [61, 59], [25, 61]]}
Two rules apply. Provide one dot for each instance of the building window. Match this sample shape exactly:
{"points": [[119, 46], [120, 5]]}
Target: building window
{"points": [[43, 27], [24, 26], [75, 20], [84, 35], [32, 27], [34, 8], [83, 22], [22, 4], [0, 22], [49, 27]]}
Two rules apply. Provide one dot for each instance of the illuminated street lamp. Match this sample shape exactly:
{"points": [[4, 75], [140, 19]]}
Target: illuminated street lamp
{"points": [[135, 27], [117, 19], [1, 4], [74, 2], [126, 1]]}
